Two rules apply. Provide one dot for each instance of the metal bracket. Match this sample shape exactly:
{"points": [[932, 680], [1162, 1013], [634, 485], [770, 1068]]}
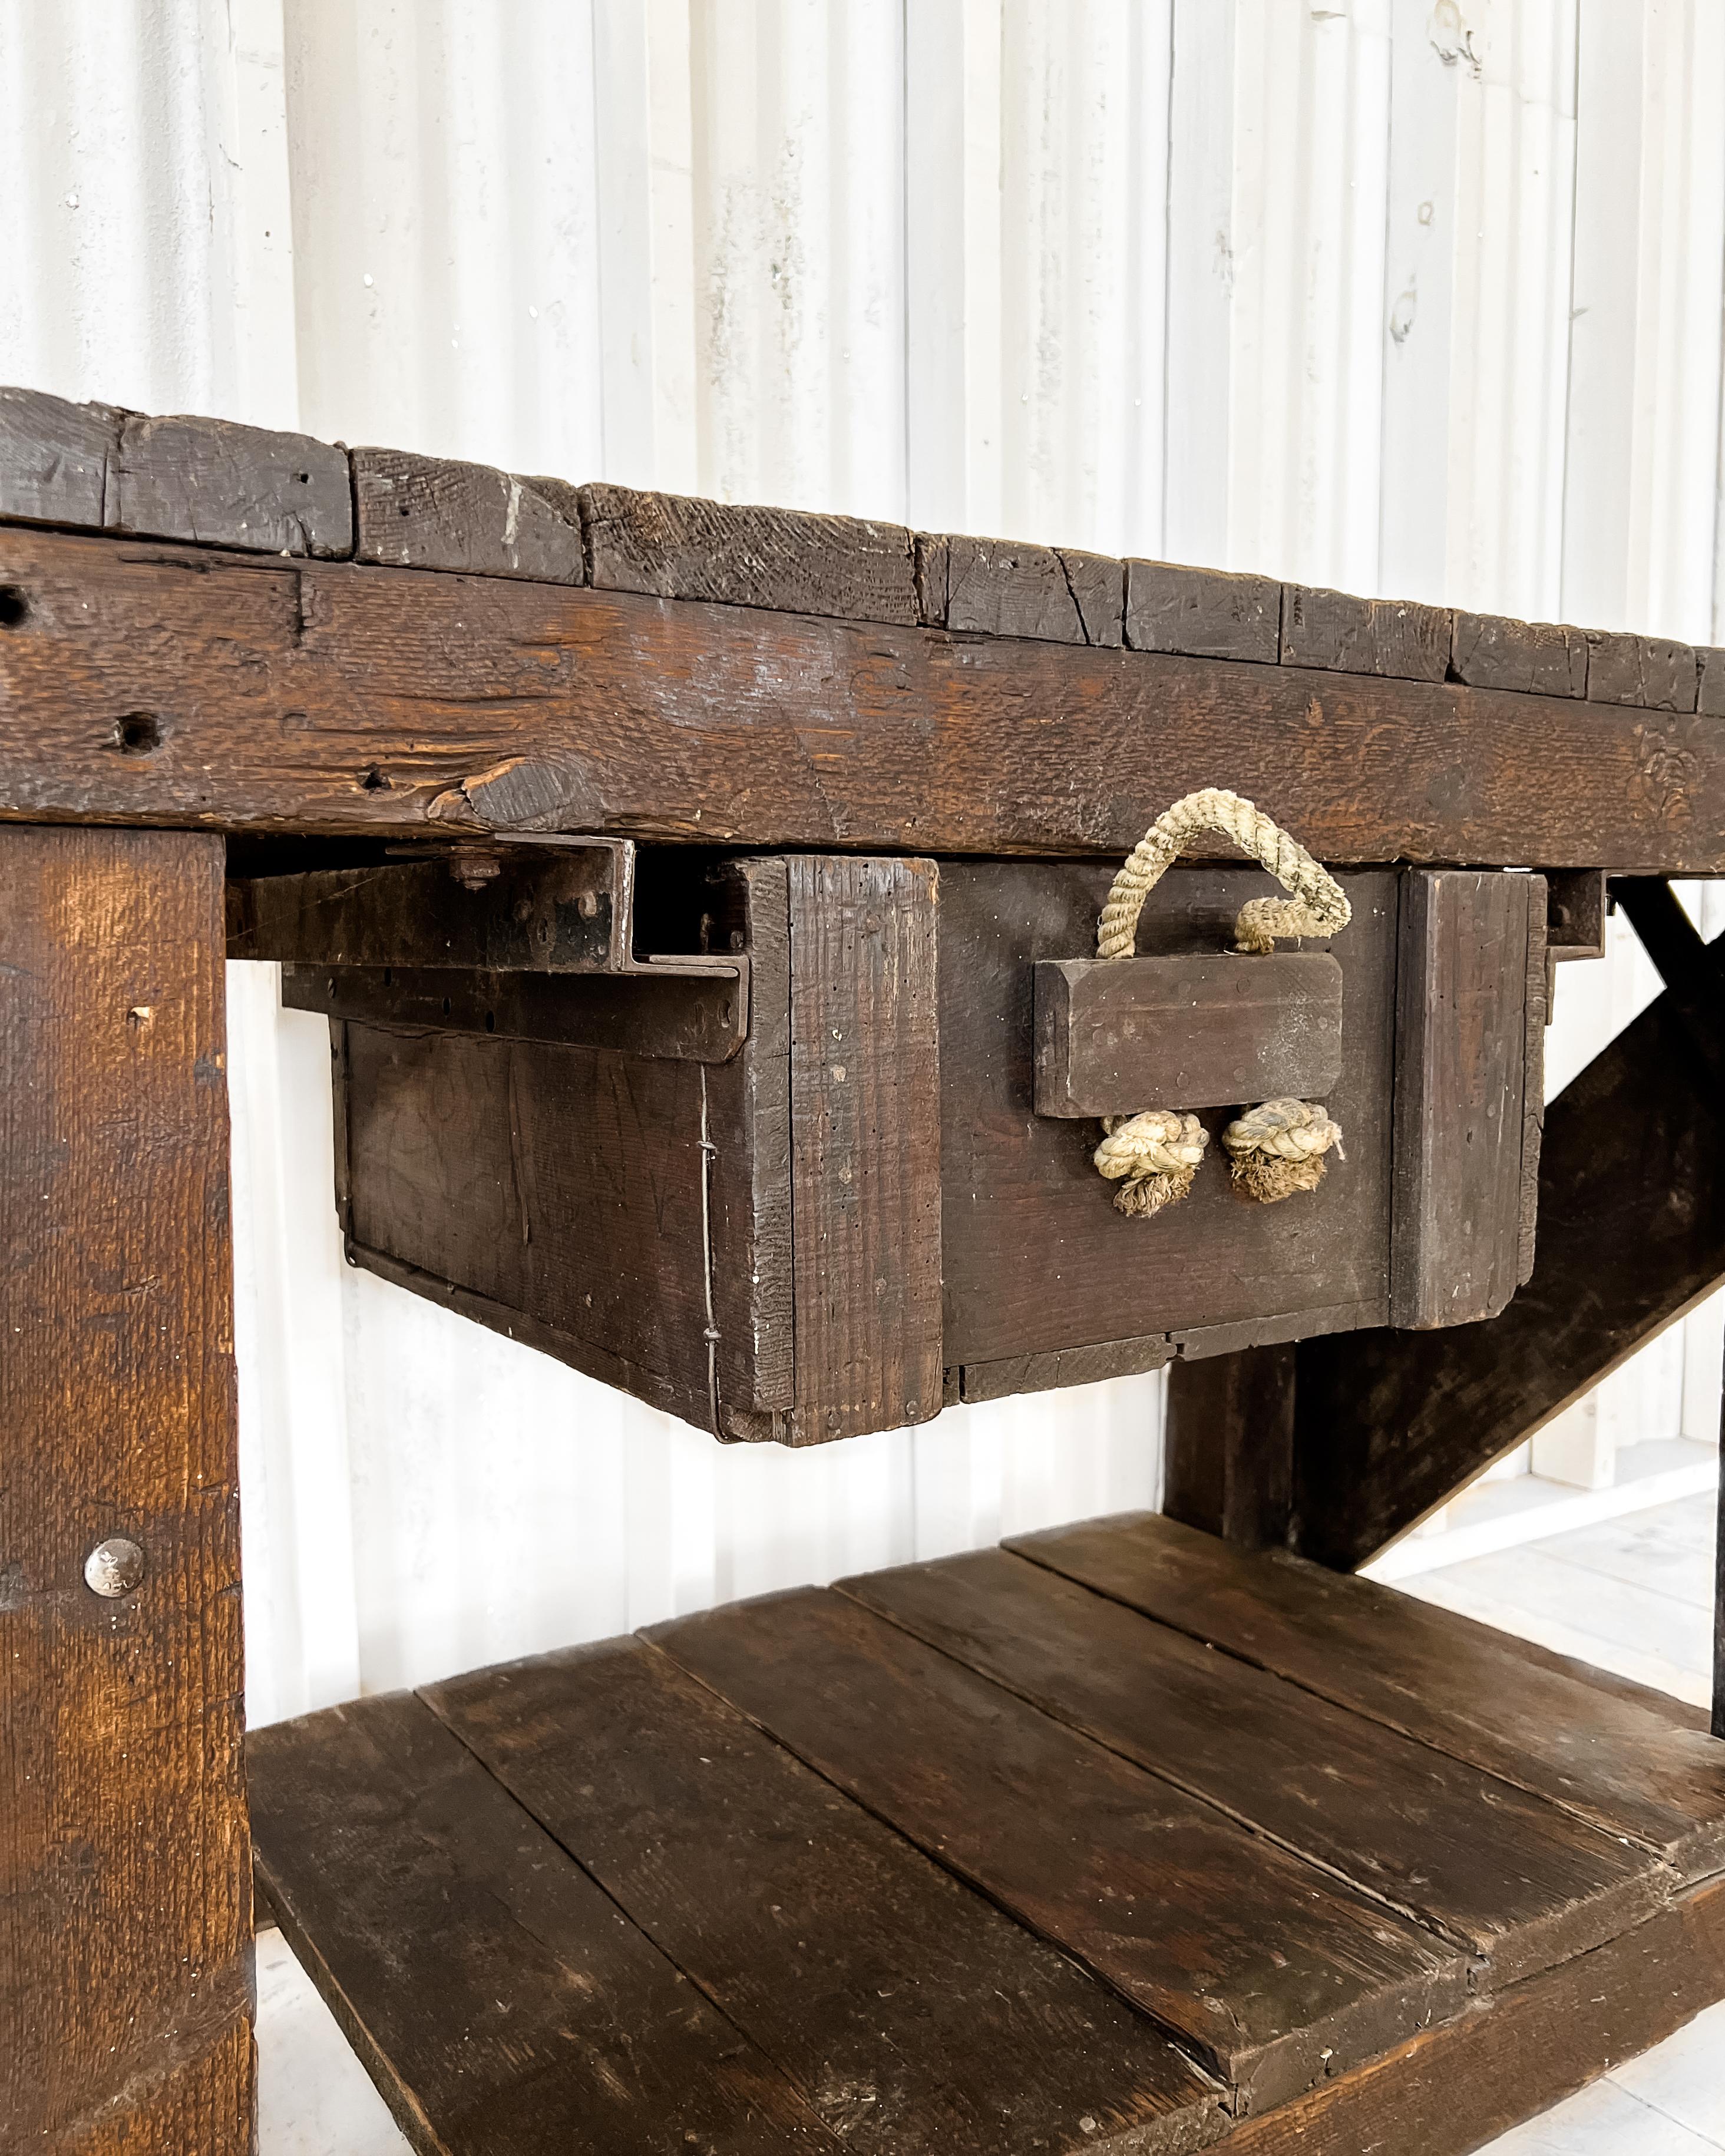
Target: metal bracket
{"points": [[521, 938]]}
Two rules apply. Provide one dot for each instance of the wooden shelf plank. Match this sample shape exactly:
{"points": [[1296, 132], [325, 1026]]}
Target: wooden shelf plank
{"points": [[1272, 1973], [1608, 1757], [911, 2013]]}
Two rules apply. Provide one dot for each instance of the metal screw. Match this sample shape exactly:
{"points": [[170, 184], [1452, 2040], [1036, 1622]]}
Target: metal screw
{"points": [[114, 1567]]}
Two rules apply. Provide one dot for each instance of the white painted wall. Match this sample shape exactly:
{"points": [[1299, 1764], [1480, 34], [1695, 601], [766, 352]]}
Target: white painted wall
{"points": [[1408, 297]]}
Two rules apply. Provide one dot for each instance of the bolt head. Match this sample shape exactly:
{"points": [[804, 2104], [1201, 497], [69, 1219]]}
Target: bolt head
{"points": [[114, 1567]]}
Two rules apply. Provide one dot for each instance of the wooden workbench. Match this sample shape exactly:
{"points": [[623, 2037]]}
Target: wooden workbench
{"points": [[225, 653]]}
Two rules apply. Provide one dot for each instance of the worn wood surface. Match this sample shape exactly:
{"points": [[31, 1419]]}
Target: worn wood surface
{"points": [[457, 1165], [1631, 1234], [1067, 1366], [1651, 671], [1536, 1016], [865, 1166], [340, 697], [124, 1873], [1228, 1444], [207, 480], [1393, 637], [502, 2003], [1510, 1876], [1620, 1761], [1037, 1259], [1205, 611], [1461, 1047], [1200, 1030], [1003, 587], [1454, 2089], [914, 2015], [1575, 913], [1258, 1963], [1717, 1721], [1538, 658], [429, 513], [676, 547]]}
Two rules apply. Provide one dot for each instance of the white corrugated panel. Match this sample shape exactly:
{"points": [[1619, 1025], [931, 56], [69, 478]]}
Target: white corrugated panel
{"points": [[1421, 298]]}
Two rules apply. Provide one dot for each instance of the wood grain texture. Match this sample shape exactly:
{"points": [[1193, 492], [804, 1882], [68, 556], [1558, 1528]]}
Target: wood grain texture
{"points": [[1392, 637], [550, 2022], [462, 1182], [1036, 1258], [1208, 613], [865, 1162], [1004, 588], [914, 2017], [1507, 1875], [1254, 1960], [1203, 1029], [1631, 1215], [1710, 687], [1652, 672], [1619, 1760], [1454, 2089], [677, 547], [1538, 659], [54, 458], [1069, 1366], [1462, 1049], [340, 697], [1536, 1017], [429, 513], [124, 1870], [1228, 1444], [207, 480]]}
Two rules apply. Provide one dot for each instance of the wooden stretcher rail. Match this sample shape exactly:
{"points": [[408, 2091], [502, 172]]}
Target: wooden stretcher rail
{"points": [[819, 681]]}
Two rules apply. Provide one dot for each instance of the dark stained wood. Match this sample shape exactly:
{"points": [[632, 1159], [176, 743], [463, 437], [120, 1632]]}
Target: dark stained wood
{"points": [[1002, 587], [1070, 1365], [54, 457], [1614, 1758], [428, 513], [1206, 612], [1534, 658], [207, 480], [1651, 671], [460, 1180], [1257, 1961], [331, 697], [1452, 2090], [1631, 1235], [1462, 1045], [1536, 1016], [865, 1167], [1228, 1444], [1197, 1342], [915, 2017], [1394, 637], [535, 2017], [1036, 1258], [1506, 1875], [676, 547], [1710, 688], [1575, 913], [222, 486], [548, 909], [124, 1869], [1203, 1030]]}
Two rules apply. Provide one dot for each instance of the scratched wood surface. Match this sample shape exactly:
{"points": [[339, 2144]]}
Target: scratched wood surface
{"points": [[125, 1872], [263, 694]]}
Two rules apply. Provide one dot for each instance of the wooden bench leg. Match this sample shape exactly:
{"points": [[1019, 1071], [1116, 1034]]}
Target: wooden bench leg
{"points": [[1230, 1445], [125, 1859]]}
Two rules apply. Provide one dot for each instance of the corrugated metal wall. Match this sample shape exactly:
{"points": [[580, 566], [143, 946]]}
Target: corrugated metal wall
{"points": [[1404, 296]]}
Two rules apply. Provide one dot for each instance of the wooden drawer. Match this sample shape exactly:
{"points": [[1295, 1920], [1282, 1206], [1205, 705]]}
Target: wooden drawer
{"points": [[794, 1183]]}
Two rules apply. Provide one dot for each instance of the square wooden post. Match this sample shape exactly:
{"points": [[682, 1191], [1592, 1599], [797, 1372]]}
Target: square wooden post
{"points": [[126, 1983]]}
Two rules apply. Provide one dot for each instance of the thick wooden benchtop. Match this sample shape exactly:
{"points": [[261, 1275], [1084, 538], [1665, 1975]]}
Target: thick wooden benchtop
{"points": [[1116, 1838], [274, 634]]}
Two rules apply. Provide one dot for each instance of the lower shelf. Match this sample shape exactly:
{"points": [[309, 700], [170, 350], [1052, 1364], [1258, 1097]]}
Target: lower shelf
{"points": [[1110, 1839]]}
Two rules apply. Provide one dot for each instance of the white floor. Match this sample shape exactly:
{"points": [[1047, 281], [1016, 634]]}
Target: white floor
{"points": [[1633, 1595]]}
